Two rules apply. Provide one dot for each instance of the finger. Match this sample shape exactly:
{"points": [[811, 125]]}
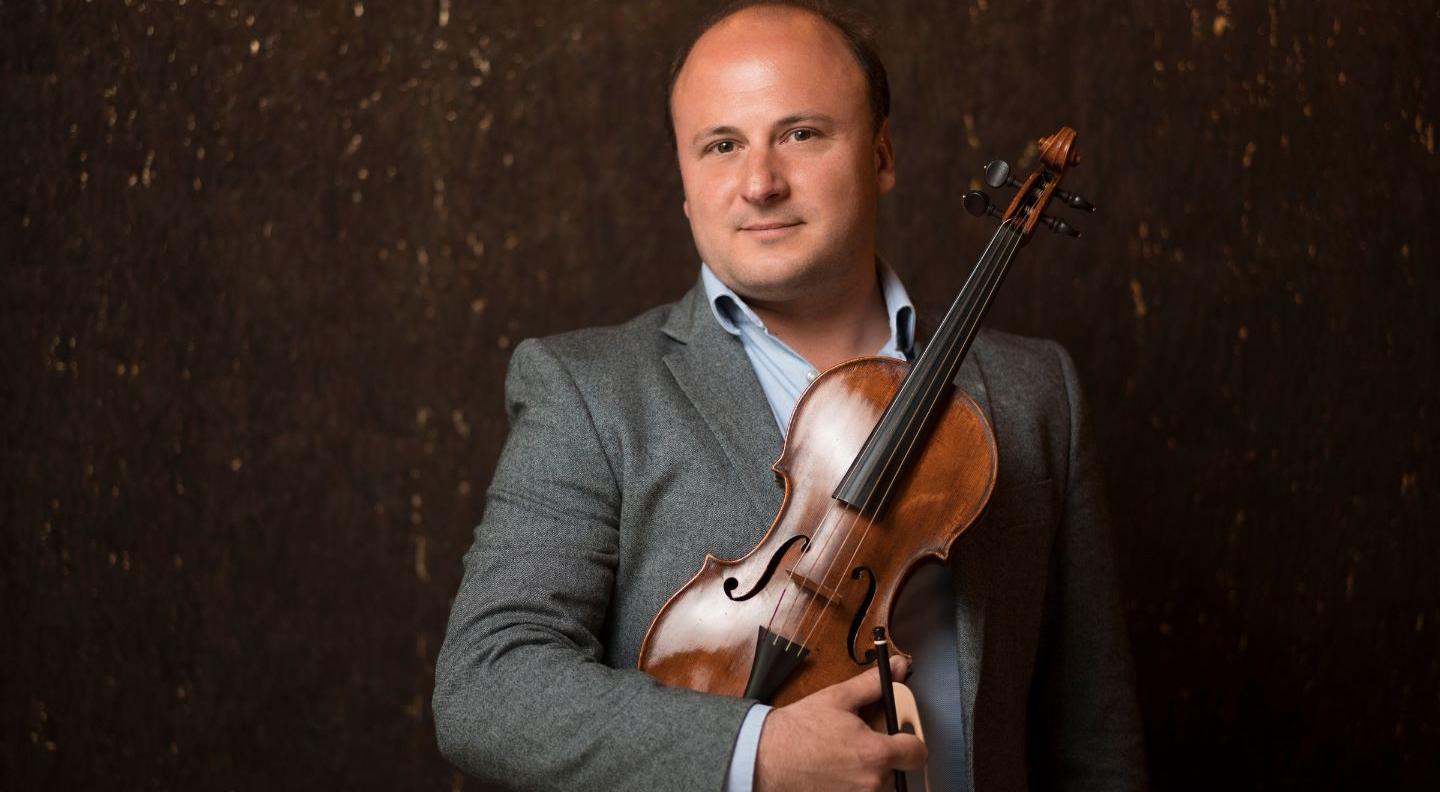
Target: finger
{"points": [[863, 688], [853, 693], [908, 752], [899, 668]]}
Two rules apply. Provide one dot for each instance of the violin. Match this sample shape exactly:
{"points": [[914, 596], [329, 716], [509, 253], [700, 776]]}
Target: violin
{"points": [[885, 465]]}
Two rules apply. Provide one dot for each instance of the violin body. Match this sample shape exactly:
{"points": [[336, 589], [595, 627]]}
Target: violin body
{"points": [[827, 573], [885, 465]]}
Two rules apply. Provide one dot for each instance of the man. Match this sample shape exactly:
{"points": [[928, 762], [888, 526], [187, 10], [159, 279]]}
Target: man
{"points": [[635, 450]]}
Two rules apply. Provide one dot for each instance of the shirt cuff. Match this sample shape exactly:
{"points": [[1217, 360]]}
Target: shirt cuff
{"points": [[741, 777]]}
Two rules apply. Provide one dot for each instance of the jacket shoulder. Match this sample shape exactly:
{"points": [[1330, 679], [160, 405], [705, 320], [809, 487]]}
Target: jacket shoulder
{"points": [[1034, 401], [608, 346], [602, 361], [1023, 365]]}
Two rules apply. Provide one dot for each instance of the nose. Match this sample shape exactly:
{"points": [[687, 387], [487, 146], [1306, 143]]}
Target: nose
{"points": [[764, 182]]}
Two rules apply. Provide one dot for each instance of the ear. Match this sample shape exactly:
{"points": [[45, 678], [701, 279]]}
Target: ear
{"points": [[686, 206], [884, 159]]}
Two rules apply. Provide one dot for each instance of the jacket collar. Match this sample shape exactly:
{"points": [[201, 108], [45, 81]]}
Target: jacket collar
{"points": [[713, 370]]}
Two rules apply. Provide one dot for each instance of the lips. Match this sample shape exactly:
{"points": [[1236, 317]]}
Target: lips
{"points": [[768, 226], [771, 229]]}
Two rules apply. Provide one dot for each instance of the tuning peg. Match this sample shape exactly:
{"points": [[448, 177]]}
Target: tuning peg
{"points": [[978, 203], [997, 174], [1074, 200], [1059, 226]]}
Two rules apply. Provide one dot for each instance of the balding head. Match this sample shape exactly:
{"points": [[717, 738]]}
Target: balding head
{"points": [[850, 34]]}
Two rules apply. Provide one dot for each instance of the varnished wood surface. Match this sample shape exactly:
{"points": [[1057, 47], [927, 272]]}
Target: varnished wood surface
{"points": [[704, 640]]}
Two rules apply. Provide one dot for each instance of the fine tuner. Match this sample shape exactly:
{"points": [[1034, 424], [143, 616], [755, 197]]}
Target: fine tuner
{"points": [[997, 174]]}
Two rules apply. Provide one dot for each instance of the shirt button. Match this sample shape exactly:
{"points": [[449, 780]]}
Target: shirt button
{"points": [[811, 376]]}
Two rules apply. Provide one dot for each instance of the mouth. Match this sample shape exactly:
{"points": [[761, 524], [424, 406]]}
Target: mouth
{"points": [[771, 229]]}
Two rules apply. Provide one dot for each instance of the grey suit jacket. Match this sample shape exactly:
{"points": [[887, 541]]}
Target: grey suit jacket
{"points": [[634, 450]]}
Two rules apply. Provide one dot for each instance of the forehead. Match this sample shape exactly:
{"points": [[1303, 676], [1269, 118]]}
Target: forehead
{"points": [[762, 62]]}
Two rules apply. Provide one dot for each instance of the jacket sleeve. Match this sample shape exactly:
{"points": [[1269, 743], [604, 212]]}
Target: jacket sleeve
{"points": [[1085, 731], [521, 697]]}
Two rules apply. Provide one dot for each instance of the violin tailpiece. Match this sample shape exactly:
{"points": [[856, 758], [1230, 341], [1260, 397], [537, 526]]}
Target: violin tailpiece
{"points": [[776, 658]]}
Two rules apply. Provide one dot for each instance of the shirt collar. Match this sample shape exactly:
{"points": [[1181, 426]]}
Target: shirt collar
{"points": [[730, 310], [898, 307], [726, 304]]}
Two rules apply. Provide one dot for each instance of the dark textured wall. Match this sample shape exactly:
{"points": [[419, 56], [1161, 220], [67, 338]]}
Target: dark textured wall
{"points": [[263, 265]]}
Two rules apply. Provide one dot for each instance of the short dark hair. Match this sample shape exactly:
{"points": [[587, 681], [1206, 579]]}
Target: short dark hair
{"points": [[854, 29]]}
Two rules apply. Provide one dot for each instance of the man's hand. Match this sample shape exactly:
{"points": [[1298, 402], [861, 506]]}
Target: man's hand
{"points": [[820, 742]]}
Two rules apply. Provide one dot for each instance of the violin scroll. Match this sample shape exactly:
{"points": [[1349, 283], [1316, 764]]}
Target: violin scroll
{"points": [[1057, 154]]}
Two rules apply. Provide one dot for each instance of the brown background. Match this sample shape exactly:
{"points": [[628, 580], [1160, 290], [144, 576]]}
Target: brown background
{"points": [[263, 267]]}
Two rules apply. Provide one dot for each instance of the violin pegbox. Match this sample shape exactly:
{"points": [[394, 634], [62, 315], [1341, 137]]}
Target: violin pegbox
{"points": [[1026, 209]]}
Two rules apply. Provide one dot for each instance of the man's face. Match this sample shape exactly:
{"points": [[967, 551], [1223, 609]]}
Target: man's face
{"points": [[778, 154]]}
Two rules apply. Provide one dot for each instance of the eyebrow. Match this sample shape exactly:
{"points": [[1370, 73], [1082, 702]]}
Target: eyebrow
{"points": [[796, 118]]}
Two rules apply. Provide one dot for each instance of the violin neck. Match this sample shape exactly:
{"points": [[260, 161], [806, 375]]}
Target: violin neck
{"points": [[884, 456], [946, 349]]}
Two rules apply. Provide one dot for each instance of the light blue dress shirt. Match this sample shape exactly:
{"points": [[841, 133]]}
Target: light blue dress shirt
{"points": [[925, 611]]}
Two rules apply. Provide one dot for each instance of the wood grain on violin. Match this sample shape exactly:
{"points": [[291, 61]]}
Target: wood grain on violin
{"points": [[819, 569]]}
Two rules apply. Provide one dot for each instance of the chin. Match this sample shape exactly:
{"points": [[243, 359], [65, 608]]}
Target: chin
{"points": [[776, 278]]}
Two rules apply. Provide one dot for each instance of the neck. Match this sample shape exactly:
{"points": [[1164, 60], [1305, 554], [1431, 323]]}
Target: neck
{"points": [[832, 326]]}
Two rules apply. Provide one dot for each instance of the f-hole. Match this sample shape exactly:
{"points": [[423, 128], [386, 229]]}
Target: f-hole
{"points": [[860, 616], [731, 583]]}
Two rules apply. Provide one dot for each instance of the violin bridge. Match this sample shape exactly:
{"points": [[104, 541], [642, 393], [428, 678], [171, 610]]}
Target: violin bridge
{"points": [[827, 593]]}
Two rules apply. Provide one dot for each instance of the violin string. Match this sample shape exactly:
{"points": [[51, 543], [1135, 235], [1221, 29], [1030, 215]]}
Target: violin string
{"points": [[985, 269], [913, 440], [829, 512], [948, 353]]}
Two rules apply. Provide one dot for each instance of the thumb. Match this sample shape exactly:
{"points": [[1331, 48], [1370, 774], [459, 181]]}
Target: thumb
{"points": [[863, 688]]}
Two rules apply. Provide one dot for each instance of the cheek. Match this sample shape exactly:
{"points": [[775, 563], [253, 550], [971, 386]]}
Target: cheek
{"points": [[699, 191], [710, 203], [707, 211], [703, 217], [842, 188]]}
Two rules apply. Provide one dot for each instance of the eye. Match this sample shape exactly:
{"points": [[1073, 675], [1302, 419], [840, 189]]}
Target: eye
{"points": [[801, 135], [721, 147]]}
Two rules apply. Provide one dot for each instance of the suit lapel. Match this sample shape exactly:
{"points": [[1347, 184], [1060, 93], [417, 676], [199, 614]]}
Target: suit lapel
{"points": [[713, 371]]}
